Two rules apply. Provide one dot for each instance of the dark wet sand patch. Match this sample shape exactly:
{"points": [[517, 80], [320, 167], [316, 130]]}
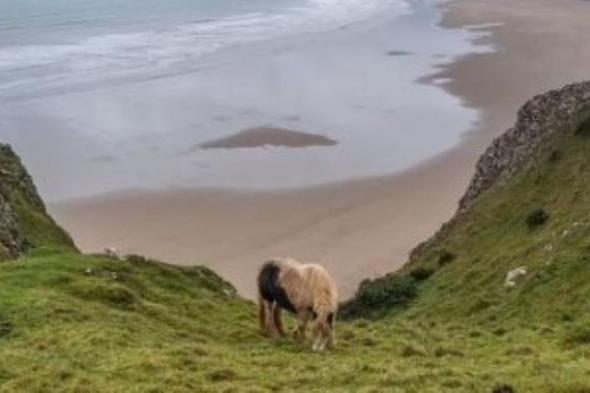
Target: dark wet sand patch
{"points": [[221, 118], [268, 136], [398, 53], [293, 118]]}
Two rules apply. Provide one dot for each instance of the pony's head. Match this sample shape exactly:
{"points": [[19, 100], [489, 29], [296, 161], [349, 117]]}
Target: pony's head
{"points": [[324, 320]]}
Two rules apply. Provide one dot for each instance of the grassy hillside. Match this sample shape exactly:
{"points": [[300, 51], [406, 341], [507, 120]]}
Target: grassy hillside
{"points": [[73, 323], [495, 238]]}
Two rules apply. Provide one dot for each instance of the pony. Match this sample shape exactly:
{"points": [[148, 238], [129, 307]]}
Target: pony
{"points": [[306, 290]]}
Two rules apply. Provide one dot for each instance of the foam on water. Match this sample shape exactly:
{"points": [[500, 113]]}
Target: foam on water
{"points": [[27, 69]]}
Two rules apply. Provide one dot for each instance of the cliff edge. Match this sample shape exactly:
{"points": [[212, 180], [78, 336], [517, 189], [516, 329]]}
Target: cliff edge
{"points": [[24, 221]]}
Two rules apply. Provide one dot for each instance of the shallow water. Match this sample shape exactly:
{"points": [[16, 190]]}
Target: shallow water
{"points": [[107, 96]]}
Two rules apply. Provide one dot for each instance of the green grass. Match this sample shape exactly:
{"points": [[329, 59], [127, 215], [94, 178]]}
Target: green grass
{"points": [[496, 237], [75, 323], [72, 323]]}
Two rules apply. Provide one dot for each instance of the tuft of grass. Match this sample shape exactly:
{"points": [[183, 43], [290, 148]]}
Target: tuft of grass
{"points": [[579, 335], [503, 388], [222, 375], [411, 350], [5, 327], [445, 257]]}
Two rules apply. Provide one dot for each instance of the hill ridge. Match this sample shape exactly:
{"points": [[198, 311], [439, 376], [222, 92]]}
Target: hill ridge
{"points": [[539, 122]]}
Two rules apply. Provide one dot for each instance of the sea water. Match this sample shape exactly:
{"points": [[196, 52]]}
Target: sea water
{"points": [[103, 96]]}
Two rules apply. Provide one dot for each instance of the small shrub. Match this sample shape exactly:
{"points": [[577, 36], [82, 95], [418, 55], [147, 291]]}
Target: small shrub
{"points": [[445, 257], [536, 218], [375, 297], [421, 273], [503, 388]]}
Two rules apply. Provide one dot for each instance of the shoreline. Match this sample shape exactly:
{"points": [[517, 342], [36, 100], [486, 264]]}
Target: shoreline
{"points": [[359, 228]]}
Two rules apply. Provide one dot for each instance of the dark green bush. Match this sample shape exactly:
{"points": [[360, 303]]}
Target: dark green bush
{"points": [[421, 273], [536, 218], [376, 297]]}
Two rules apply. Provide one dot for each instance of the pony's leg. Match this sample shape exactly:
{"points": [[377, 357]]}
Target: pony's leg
{"points": [[319, 339], [332, 333], [301, 326], [318, 343], [262, 307], [331, 341], [278, 321], [269, 323]]}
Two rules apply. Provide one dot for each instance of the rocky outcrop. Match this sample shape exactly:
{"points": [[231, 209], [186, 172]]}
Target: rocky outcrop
{"points": [[12, 242], [24, 222], [538, 122]]}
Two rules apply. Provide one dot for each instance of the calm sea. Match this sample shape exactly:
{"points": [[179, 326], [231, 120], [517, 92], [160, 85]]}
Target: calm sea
{"points": [[110, 95]]}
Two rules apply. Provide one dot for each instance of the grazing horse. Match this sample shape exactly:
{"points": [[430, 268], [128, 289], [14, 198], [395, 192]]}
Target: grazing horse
{"points": [[305, 290]]}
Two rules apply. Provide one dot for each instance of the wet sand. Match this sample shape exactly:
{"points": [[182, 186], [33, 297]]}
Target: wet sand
{"points": [[360, 228], [268, 136]]}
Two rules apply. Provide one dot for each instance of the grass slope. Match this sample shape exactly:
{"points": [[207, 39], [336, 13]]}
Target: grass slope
{"points": [[495, 238], [76, 323], [73, 323]]}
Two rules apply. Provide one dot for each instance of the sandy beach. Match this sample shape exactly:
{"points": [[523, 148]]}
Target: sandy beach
{"points": [[359, 228]]}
